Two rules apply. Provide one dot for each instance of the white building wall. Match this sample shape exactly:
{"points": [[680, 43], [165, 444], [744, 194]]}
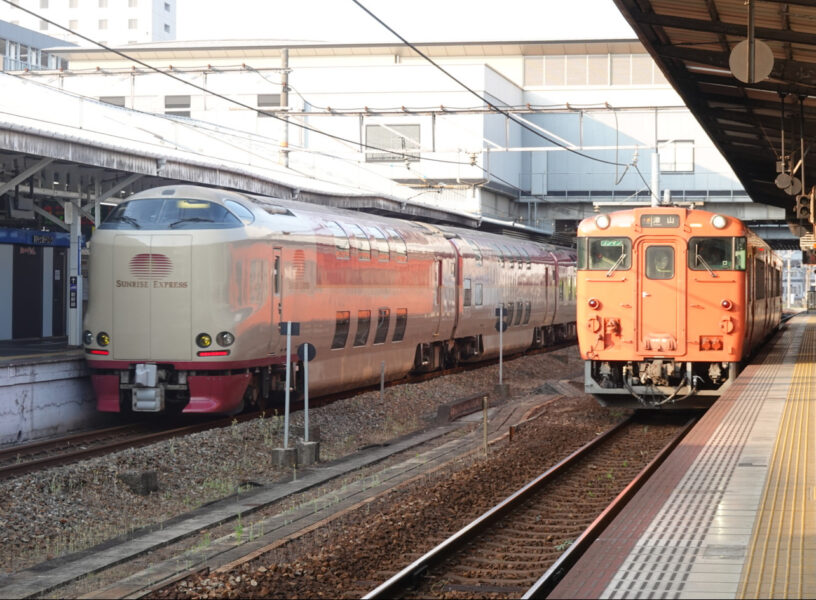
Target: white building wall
{"points": [[105, 21]]}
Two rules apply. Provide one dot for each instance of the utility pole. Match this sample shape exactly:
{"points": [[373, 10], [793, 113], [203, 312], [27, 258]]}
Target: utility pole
{"points": [[284, 103], [787, 302], [656, 177]]}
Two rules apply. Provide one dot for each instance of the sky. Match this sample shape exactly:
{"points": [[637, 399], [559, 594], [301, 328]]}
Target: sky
{"points": [[415, 20]]}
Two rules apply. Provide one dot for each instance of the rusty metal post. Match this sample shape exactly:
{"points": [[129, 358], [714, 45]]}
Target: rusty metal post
{"points": [[484, 410]]}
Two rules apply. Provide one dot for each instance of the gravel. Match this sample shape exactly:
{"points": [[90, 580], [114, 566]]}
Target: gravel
{"points": [[70, 508]]}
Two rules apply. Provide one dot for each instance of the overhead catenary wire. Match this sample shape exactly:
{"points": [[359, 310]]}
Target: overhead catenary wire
{"points": [[221, 96], [492, 106], [339, 138]]}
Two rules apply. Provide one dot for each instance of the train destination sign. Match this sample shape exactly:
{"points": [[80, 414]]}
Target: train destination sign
{"points": [[660, 220]]}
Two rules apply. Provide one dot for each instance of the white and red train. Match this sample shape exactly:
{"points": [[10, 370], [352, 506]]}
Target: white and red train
{"points": [[189, 287]]}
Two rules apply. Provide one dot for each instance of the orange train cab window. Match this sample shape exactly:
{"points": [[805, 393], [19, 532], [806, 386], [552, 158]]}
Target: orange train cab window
{"points": [[659, 262]]}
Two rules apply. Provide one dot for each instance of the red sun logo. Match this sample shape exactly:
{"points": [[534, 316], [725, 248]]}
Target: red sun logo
{"points": [[150, 266]]}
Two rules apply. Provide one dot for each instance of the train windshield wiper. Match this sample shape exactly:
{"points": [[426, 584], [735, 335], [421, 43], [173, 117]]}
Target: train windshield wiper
{"points": [[616, 265], [702, 261], [129, 220], [191, 220]]}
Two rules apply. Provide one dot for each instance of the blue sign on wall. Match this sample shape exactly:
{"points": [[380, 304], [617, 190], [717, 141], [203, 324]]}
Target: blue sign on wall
{"points": [[28, 237]]}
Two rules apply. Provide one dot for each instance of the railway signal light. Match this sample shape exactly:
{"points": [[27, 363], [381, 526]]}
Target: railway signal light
{"points": [[801, 209]]}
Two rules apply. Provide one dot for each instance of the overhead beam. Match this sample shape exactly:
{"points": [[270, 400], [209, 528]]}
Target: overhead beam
{"points": [[719, 27], [18, 179], [800, 73]]}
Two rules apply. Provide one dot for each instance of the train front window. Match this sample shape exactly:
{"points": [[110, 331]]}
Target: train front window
{"points": [[659, 262], [605, 254], [170, 213], [716, 254]]}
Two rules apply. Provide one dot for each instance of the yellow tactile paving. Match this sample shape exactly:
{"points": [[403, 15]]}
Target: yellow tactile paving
{"points": [[781, 558]]}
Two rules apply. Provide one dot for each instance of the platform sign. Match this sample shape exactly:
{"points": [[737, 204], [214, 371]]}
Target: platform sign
{"points": [[72, 294], [306, 352], [295, 328], [501, 324]]}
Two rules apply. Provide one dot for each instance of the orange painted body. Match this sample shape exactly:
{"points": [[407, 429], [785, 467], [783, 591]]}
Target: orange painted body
{"points": [[685, 304]]}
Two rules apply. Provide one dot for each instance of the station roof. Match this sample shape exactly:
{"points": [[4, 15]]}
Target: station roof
{"points": [[89, 149], [692, 42]]}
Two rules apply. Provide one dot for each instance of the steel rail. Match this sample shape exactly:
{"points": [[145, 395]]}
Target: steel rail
{"points": [[11, 470], [411, 574], [32, 447], [547, 582]]}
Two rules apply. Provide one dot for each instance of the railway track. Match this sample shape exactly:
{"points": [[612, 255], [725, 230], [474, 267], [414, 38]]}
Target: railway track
{"points": [[508, 550], [26, 458]]}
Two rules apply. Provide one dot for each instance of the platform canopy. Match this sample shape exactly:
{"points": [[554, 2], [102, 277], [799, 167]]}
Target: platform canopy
{"points": [[695, 43]]}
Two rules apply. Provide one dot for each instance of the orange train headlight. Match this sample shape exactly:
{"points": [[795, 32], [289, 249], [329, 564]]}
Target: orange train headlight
{"points": [[602, 221], [719, 221]]}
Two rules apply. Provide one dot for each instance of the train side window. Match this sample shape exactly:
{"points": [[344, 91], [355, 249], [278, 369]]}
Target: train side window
{"points": [[360, 242], [519, 308], [605, 253], [759, 279], [276, 275], [399, 326], [467, 292], [500, 254], [508, 309], [477, 296], [581, 244], [659, 262], [341, 329], [397, 244], [739, 253], [240, 211], [363, 327], [528, 307], [341, 240], [383, 321], [380, 243]]}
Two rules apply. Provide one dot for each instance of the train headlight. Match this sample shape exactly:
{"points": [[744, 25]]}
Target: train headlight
{"points": [[727, 304], [719, 221], [602, 221], [594, 303], [225, 338], [87, 337], [103, 339], [203, 340]]}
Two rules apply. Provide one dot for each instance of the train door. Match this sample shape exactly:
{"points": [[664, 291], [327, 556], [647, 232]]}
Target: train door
{"points": [[661, 315], [438, 275], [751, 295], [277, 287]]}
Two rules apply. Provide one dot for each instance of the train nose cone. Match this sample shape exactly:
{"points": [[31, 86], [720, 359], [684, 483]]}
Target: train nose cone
{"points": [[152, 295]]}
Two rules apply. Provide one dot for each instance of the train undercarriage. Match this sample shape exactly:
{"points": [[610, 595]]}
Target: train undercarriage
{"points": [[658, 382]]}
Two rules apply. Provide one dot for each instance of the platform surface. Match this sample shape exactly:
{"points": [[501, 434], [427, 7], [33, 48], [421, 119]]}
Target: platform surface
{"points": [[37, 350], [732, 512]]}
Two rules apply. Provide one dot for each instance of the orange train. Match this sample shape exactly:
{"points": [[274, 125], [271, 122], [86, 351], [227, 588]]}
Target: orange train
{"points": [[671, 301]]}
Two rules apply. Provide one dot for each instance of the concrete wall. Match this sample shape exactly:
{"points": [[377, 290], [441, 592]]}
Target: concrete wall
{"points": [[40, 399]]}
